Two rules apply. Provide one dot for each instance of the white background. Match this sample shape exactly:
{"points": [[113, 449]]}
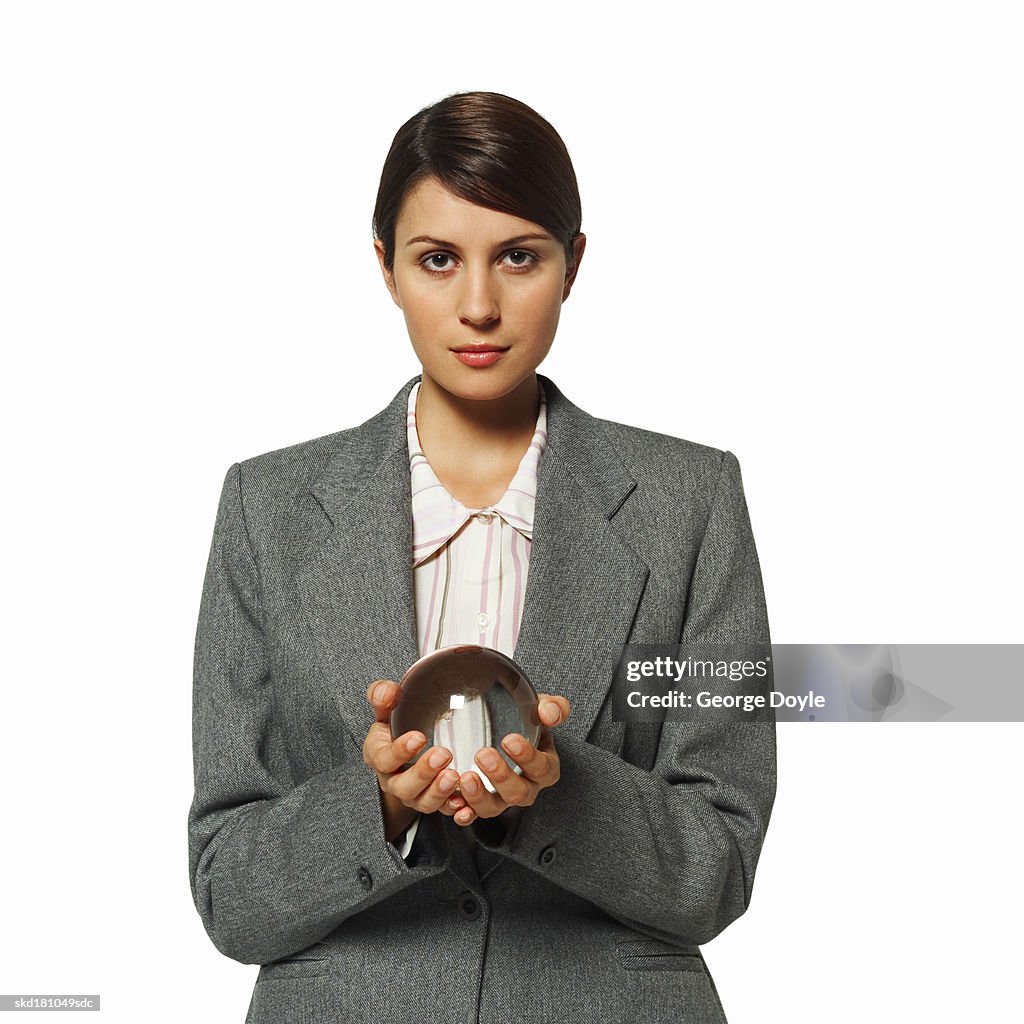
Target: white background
{"points": [[804, 224]]}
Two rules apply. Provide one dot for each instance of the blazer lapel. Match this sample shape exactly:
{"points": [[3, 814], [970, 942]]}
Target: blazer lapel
{"points": [[584, 583], [356, 587]]}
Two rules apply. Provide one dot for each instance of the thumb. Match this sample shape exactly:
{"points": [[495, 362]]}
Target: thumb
{"points": [[553, 710], [382, 694]]}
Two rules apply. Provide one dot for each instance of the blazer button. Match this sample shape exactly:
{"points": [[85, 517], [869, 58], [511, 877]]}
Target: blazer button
{"points": [[469, 907], [547, 856], [365, 879]]}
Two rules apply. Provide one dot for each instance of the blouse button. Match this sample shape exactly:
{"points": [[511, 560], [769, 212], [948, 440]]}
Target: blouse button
{"points": [[483, 620], [484, 517]]}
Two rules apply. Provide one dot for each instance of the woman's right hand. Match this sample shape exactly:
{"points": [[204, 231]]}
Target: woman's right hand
{"points": [[424, 787]]}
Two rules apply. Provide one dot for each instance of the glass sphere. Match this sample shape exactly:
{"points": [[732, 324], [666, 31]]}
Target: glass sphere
{"points": [[466, 697]]}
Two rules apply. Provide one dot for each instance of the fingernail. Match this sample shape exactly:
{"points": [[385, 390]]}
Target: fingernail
{"points": [[437, 758], [514, 745], [447, 783], [463, 816], [469, 784], [413, 742], [377, 692], [488, 760]]}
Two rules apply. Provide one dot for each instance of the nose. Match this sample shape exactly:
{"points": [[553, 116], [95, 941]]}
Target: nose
{"points": [[478, 300]]}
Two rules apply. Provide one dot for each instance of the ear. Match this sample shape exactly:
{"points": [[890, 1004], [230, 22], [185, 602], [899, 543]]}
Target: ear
{"points": [[578, 245], [389, 275]]}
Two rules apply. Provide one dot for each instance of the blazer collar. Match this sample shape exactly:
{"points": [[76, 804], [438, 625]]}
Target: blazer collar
{"points": [[574, 435], [355, 587]]}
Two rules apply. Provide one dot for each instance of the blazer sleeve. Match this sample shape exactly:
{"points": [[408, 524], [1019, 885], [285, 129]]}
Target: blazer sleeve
{"points": [[273, 866], [672, 850]]}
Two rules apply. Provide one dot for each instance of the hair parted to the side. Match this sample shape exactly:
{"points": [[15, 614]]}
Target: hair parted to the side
{"points": [[488, 149]]}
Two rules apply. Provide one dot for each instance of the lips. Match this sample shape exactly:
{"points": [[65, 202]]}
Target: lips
{"points": [[478, 355]]}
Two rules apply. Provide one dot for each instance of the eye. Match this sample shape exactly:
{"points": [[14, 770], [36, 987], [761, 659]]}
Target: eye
{"points": [[519, 258], [437, 262]]}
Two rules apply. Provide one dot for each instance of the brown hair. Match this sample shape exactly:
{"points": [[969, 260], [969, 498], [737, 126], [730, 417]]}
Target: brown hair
{"points": [[488, 149]]}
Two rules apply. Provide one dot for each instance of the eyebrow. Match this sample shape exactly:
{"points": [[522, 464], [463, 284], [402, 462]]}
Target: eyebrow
{"points": [[518, 240]]}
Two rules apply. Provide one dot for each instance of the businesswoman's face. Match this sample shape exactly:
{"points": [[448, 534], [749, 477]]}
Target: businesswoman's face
{"points": [[481, 291]]}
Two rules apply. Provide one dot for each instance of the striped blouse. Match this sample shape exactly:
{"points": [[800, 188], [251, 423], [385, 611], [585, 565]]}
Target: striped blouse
{"points": [[470, 564]]}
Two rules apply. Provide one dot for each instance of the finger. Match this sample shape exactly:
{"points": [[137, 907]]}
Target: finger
{"points": [[485, 804], [438, 793], [538, 765], [465, 816], [553, 710], [452, 804], [383, 694], [385, 755], [410, 786], [513, 788]]}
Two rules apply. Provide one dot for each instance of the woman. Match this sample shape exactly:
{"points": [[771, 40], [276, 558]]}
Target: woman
{"points": [[480, 506]]}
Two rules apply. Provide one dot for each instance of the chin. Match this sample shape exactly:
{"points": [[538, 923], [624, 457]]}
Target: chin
{"points": [[480, 385], [480, 390]]}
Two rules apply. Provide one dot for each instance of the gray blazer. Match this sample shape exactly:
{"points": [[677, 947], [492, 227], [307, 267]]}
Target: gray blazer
{"points": [[588, 906]]}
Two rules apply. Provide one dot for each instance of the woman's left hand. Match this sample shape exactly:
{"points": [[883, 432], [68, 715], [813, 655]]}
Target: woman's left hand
{"points": [[539, 764]]}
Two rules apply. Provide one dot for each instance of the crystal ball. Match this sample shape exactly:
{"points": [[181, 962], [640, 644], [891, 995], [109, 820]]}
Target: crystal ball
{"points": [[466, 697]]}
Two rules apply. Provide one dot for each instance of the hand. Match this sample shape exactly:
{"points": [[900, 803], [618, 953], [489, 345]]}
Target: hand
{"points": [[425, 786], [540, 767]]}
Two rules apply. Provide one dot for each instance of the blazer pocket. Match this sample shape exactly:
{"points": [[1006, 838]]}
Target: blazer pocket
{"points": [[652, 955], [310, 963]]}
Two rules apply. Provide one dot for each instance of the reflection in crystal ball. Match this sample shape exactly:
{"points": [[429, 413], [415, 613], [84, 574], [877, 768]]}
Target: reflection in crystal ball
{"points": [[466, 697]]}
